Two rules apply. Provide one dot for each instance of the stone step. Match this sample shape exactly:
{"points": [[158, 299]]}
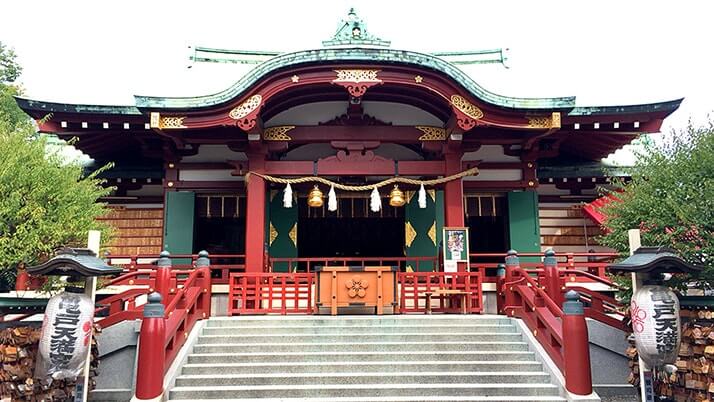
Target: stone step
{"points": [[359, 347], [401, 399], [362, 338], [358, 329], [508, 377], [351, 355], [362, 367], [362, 391], [346, 321]]}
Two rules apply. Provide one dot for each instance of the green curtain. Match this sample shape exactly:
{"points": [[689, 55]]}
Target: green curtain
{"points": [[282, 230]]}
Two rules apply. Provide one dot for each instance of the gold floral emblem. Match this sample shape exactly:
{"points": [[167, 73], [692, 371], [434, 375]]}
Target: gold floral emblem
{"points": [[357, 287]]}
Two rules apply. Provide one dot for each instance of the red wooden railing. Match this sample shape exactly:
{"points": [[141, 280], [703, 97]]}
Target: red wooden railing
{"points": [[308, 264], [556, 313], [271, 292], [414, 285], [162, 335], [220, 271], [593, 263]]}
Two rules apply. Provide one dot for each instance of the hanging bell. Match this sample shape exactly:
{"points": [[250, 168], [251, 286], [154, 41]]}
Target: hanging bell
{"points": [[396, 197], [314, 199]]}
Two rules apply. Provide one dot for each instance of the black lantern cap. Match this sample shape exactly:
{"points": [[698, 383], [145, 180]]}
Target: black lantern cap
{"points": [[654, 260], [74, 262]]}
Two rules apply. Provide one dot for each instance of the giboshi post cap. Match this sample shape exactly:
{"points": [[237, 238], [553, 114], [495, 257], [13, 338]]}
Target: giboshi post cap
{"points": [[154, 298], [203, 253], [550, 252]]}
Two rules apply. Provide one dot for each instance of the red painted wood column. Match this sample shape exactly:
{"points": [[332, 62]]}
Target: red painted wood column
{"points": [[453, 192], [255, 218], [152, 348], [576, 348], [454, 196]]}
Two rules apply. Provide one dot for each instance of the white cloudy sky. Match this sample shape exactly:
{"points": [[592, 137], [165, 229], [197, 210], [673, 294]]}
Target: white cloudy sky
{"points": [[604, 52]]}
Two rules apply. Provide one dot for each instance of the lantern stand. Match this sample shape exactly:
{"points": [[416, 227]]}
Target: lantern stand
{"points": [[647, 265], [79, 263]]}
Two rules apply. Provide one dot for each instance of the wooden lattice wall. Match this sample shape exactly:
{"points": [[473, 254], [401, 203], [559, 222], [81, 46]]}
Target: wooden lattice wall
{"points": [[137, 230]]}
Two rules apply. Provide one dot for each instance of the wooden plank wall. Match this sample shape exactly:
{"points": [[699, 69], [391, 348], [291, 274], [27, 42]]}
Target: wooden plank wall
{"points": [[137, 230], [563, 227]]}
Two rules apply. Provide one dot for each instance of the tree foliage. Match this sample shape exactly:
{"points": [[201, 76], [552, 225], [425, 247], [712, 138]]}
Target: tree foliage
{"points": [[670, 198], [10, 70], [46, 201]]}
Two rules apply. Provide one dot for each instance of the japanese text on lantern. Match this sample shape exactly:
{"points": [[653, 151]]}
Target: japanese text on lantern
{"points": [[665, 317]]}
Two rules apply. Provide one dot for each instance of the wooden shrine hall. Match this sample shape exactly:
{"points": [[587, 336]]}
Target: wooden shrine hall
{"points": [[210, 172], [360, 176]]}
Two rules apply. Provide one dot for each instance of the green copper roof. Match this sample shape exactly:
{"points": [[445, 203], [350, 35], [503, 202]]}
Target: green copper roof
{"points": [[353, 31], [53, 107], [354, 55], [668, 106]]}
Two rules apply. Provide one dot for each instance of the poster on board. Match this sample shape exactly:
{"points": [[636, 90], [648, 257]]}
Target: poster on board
{"points": [[456, 244]]}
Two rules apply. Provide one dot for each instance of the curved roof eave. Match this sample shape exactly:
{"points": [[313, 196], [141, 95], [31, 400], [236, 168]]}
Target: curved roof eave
{"points": [[55, 107], [667, 107], [352, 55]]}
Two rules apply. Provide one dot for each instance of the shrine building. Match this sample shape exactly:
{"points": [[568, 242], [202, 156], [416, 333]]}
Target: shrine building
{"points": [[210, 172]]}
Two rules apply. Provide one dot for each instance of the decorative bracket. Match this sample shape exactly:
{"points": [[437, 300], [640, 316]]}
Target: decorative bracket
{"points": [[166, 122], [357, 81], [277, 133], [550, 123], [246, 114], [467, 114], [431, 133]]}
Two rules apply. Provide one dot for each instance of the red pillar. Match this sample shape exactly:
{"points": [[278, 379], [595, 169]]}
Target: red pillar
{"points": [[454, 197], [152, 352], [576, 348], [255, 224], [453, 193]]}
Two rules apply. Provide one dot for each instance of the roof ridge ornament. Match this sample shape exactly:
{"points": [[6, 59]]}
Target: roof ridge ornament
{"points": [[353, 31]]}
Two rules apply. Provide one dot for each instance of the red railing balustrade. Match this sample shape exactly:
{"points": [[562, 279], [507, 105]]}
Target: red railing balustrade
{"points": [[562, 334], [168, 318], [271, 292], [414, 286]]}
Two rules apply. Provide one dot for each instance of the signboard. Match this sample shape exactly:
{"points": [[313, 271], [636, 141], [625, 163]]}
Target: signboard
{"points": [[655, 322], [456, 244]]}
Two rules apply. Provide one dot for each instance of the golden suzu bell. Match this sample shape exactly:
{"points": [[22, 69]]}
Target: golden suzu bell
{"points": [[314, 199], [396, 197]]}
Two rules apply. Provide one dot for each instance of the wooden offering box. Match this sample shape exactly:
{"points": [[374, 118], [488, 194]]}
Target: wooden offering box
{"points": [[356, 287]]}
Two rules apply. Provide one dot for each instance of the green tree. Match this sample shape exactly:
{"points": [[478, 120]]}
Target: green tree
{"points": [[10, 70], [670, 198], [46, 201]]}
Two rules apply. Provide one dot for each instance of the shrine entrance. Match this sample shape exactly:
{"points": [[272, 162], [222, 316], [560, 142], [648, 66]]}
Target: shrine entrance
{"points": [[351, 231]]}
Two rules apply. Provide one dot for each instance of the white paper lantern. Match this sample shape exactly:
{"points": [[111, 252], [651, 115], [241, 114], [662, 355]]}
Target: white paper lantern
{"points": [[655, 322], [66, 331]]}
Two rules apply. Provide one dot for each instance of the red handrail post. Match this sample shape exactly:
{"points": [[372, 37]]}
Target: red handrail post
{"points": [[203, 264], [500, 291], [512, 263], [22, 281], [552, 277], [162, 281], [576, 348], [150, 365]]}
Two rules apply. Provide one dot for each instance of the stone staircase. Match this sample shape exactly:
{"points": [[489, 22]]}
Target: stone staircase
{"points": [[363, 358]]}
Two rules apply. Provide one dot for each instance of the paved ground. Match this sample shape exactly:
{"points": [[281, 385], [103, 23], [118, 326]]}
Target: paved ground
{"points": [[619, 399]]}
